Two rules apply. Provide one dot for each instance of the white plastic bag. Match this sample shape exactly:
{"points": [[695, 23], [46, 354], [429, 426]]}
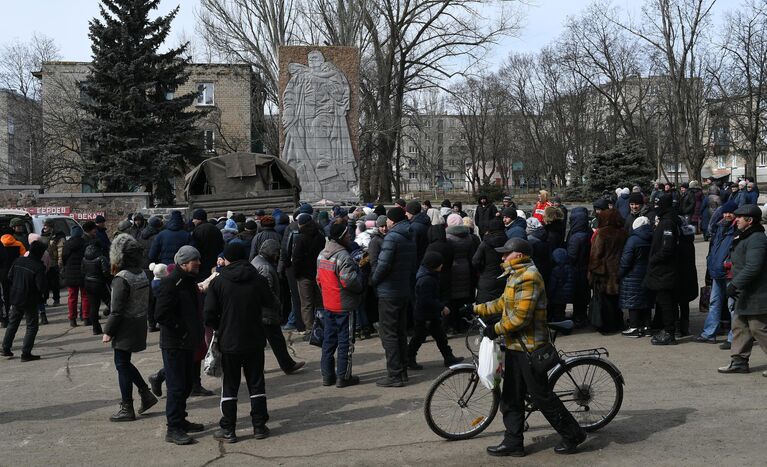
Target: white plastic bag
{"points": [[211, 365], [489, 367]]}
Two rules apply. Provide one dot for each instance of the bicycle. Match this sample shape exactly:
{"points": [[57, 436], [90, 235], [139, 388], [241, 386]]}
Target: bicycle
{"points": [[458, 406]]}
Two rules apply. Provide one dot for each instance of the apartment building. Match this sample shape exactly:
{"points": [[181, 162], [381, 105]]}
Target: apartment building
{"points": [[19, 116], [224, 92]]}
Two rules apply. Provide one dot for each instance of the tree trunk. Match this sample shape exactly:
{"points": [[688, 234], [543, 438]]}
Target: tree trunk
{"points": [[751, 165]]}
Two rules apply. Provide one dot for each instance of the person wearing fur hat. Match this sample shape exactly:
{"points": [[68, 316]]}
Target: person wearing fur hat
{"points": [[265, 263], [27, 291], [428, 312], [208, 241], [126, 326], [622, 202], [393, 279], [181, 332], [341, 286], [234, 307]]}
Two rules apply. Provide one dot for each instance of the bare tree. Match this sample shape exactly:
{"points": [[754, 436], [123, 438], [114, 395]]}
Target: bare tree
{"points": [[674, 32], [741, 81]]}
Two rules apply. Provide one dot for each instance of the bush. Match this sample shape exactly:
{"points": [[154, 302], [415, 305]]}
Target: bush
{"points": [[623, 165], [493, 192]]}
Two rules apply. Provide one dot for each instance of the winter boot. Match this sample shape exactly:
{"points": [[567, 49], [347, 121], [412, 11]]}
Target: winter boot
{"points": [[684, 328], [147, 400], [87, 322], [155, 382], [199, 391], [72, 323], [125, 414], [227, 436], [43, 318], [663, 338], [178, 436], [97, 328], [737, 365]]}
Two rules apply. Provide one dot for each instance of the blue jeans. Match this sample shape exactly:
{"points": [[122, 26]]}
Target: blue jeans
{"points": [[711, 326], [336, 337]]}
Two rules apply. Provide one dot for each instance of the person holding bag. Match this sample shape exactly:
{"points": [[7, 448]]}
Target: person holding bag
{"points": [[522, 308]]}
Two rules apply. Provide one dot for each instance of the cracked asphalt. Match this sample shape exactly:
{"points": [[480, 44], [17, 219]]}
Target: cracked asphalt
{"points": [[677, 410]]}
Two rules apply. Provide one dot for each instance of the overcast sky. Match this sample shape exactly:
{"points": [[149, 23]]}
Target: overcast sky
{"points": [[66, 21]]}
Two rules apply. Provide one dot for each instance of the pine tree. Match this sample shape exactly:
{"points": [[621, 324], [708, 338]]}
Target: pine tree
{"points": [[623, 165], [140, 135]]}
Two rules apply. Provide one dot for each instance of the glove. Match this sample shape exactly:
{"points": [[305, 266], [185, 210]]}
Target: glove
{"points": [[490, 333], [467, 309], [732, 291]]}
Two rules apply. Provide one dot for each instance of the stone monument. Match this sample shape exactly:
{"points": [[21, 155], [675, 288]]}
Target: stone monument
{"points": [[319, 95]]}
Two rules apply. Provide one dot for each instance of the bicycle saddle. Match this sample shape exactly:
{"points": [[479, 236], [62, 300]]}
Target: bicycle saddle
{"points": [[562, 326]]}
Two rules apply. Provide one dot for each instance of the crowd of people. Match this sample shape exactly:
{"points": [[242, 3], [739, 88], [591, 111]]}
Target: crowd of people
{"points": [[403, 273]]}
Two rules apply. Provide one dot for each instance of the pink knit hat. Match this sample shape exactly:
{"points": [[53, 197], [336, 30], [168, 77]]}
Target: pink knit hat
{"points": [[454, 219]]}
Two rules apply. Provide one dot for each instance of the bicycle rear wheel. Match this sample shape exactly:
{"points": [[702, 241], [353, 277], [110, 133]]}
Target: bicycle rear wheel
{"points": [[591, 390], [458, 406]]}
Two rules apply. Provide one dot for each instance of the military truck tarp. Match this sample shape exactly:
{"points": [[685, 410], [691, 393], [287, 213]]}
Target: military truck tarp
{"points": [[242, 182]]}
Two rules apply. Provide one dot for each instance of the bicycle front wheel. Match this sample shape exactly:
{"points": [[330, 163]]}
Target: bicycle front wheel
{"points": [[458, 406], [591, 390]]}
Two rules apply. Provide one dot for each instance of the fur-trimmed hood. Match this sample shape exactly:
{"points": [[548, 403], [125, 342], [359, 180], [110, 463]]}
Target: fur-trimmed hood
{"points": [[125, 252]]}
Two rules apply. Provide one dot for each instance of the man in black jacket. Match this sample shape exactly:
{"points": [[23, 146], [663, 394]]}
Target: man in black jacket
{"points": [[307, 247], [28, 289], [233, 308], [419, 226], [662, 267], [177, 310], [208, 241], [393, 279]]}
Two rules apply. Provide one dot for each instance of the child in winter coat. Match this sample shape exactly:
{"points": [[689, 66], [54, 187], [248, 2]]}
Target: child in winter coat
{"points": [[429, 309], [561, 290]]}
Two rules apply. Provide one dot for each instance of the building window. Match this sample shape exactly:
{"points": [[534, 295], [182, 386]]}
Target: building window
{"points": [[721, 162], [427, 137], [209, 141], [734, 162], [11, 125], [207, 93], [413, 176], [411, 149], [762, 160]]}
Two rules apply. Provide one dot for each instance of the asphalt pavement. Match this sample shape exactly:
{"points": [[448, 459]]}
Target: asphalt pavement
{"points": [[677, 410]]}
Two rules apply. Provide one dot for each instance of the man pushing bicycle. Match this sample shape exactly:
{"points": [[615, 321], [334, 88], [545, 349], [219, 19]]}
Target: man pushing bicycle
{"points": [[522, 310]]}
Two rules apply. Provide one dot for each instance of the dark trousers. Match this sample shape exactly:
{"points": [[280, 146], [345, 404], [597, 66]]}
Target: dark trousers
{"points": [[639, 317], [581, 304], [54, 287], [684, 314], [455, 318], [336, 338], [127, 375], [233, 366], [422, 330], [519, 380], [279, 347], [179, 377], [6, 298], [29, 313], [666, 309], [311, 299], [295, 300], [97, 293], [556, 312], [392, 327]]}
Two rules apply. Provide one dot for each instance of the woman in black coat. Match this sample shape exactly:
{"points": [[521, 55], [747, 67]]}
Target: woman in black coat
{"points": [[126, 327], [487, 263], [579, 249], [554, 223], [72, 275], [687, 277], [634, 297]]}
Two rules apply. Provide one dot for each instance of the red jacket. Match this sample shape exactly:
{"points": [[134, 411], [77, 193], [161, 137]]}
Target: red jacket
{"points": [[538, 211], [338, 278]]}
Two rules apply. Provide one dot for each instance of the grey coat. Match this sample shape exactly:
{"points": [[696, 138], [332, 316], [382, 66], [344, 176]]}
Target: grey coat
{"points": [[749, 271], [130, 301], [269, 315]]}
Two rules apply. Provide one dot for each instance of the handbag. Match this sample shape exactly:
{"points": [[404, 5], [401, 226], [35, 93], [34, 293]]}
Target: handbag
{"points": [[317, 334], [705, 299], [595, 310], [211, 364], [542, 359]]}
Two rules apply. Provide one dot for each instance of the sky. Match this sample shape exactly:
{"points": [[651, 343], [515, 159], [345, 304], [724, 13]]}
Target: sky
{"points": [[66, 21]]}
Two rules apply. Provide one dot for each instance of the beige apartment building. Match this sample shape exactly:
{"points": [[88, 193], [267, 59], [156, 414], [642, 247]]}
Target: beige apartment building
{"points": [[225, 92]]}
